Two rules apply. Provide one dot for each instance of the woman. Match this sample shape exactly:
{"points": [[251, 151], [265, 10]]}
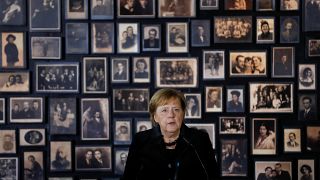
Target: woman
{"points": [[170, 150], [307, 77], [306, 171], [266, 138]]}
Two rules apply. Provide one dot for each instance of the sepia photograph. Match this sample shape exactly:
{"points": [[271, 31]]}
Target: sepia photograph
{"points": [[193, 108], [2, 110], [306, 169], [13, 12], [265, 5], [142, 124], [291, 140], [130, 100], [44, 15], [273, 170], [8, 141], [14, 82], [9, 168], [177, 37], [265, 30], [235, 99], [237, 5], [213, 64], [94, 75], [60, 156], [120, 70], [122, 132], [307, 77], [233, 29], [95, 123], [311, 12], [214, 102], [209, 4], [200, 33], [57, 77], [289, 5], [264, 136], [176, 8], [272, 97], [141, 69], [289, 29], [13, 54], [314, 47], [76, 9], [76, 38], [232, 125], [45, 47], [313, 136], [208, 128], [151, 37], [93, 158], [136, 8], [177, 72], [283, 61], [63, 116], [128, 38], [102, 9], [33, 168], [26, 109], [248, 63], [102, 38], [307, 107], [120, 159], [32, 137]]}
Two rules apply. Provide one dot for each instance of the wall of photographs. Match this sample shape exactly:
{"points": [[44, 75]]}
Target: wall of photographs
{"points": [[76, 77]]}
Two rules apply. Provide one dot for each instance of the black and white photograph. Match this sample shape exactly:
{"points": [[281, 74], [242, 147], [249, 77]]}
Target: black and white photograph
{"points": [[76, 9], [233, 29], [136, 8], [60, 156], [63, 116], [238, 5], [273, 97], [95, 119], [193, 108], [283, 61], [289, 5], [200, 33], [306, 169], [120, 159], [13, 12], [45, 47], [289, 29], [33, 165], [247, 63], [128, 38], [122, 131], [32, 137], [307, 107], [213, 64], [311, 12], [94, 75], [151, 37], [314, 47], [57, 77], [14, 82], [313, 136], [176, 8], [12, 54], [265, 5], [234, 154], [77, 38], [9, 168], [44, 15], [232, 125], [130, 100], [2, 110], [102, 9], [142, 124], [291, 140], [307, 77], [208, 128], [265, 30], [93, 158], [102, 38], [177, 37], [264, 136], [8, 141], [209, 4], [141, 69], [273, 170], [26, 109], [176, 72], [214, 102], [235, 99], [120, 70]]}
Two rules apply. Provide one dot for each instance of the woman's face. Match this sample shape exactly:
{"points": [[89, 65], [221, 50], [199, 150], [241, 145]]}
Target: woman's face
{"points": [[305, 170], [263, 131]]}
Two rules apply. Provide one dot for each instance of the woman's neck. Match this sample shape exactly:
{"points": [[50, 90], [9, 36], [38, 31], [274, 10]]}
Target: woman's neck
{"points": [[170, 137]]}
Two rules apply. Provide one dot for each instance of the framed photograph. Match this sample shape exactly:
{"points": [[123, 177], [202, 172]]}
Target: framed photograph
{"points": [[289, 5], [208, 128], [141, 69], [44, 16], [32, 137], [177, 72], [176, 9], [8, 141], [306, 169], [238, 5], [63, 116], [142, 124], [120, 159], [263, 169], [128, 38], [10, 166], [131, 100], [120, 70], [102, 36], [122, 131], [93, 158], [76, 9], [240, 30], [311, 13], [289, 29], [213, 64], [60, 178], [177, 37], [193, 102], [214, 99], [14, 82], [313, 134], [77, 38], [2, 110], [283, 60], [45, 47], [95, 123], [209, 4], [265, 5], [200, 33], [232, 125], [265, 30], [307, 107], [60, 156], [57, 77], [102, 9], [291, 140], [13, 13], [307, 77], [151, 37], [12, 53], [95, 75], [264, 136], [235, 99], [248, 63], [33, 165], [26, 109], [136, 9], [314, 47], [234, 153]]}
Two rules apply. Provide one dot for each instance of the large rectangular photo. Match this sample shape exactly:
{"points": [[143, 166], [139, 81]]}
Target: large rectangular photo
{"points": [[93, 158], [273, 169], [130, 100], [14, 82], [26, 109]]}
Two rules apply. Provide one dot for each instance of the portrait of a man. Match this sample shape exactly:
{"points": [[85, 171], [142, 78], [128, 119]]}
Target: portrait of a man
{"points": [[60, 155], [120, 70], [200, 33], [292, 140], [121, 156], [283, 62], [289, 29], [151, 38], [307, 107], [314, 47]]}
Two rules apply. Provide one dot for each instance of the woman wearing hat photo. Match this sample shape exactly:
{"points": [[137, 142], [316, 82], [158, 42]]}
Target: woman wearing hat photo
{"points": [[11, 51], [234, 105]]}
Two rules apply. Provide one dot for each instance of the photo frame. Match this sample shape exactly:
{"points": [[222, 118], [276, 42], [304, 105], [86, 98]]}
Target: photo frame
{"points": [[60, 156], [265, 30], [307, 77], [102, 9], [95, 75], [128, 37], [283, 62], [120, 159], [232, 125], [142, 124], [141, 69], [307, 107], [102, 152], [11, 165], [2, 110], [76, 9], [14, 13], [213, 64], [13, 50], [122, 131], [60, 178], [289, 29], [102, 35], [234, 5], [95, 121], [177, 37], [209, 4], [312, 137], [145, 9], [306, 168], [77, 38], [26, 109], [200, 33], [235, 99], [32, 137], [120, 70], [33, 165], [14, 82], [208, 128], [186, 78], [286, 5], [214, 102], [310, 14], [131, 100], [8, 142], [176, 9], [193, 108], [151, 35], [265, 5], [313, 47], [45, 47], [265, 167], [291, 140], [264, 136]]}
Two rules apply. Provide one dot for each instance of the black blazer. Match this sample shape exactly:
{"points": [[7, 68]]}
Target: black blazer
{"points": [[148, 158]]}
